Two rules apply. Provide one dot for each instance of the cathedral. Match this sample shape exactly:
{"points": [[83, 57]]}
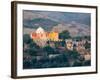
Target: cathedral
{"points": [[41, 34]]}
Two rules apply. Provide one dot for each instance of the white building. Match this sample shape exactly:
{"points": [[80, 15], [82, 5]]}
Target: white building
{"points": [[41, 34], [69, 44]]}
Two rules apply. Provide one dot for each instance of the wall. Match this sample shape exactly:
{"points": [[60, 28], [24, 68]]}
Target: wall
{"points": [[5, 40]]}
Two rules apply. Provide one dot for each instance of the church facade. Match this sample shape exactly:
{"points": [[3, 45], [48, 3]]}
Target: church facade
{"points": [[41, 34]]}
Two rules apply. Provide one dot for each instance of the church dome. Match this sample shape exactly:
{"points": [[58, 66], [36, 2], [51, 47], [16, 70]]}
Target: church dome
{"points": [[40, 30]]}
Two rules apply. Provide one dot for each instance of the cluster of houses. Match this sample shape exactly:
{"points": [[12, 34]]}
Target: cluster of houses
{"points": [[41, 38], [79, 46]]}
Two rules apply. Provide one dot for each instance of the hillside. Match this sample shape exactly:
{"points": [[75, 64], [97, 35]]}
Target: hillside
{"points": [[60, 17], [78, 24], [47, 24], [75, 29]]}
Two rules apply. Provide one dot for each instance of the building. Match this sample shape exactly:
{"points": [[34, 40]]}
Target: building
{"points": [[53, 36], [40, 36], [69, 44]]}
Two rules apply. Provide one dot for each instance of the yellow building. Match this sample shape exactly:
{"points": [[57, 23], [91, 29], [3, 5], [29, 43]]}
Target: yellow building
{"points": [[53, 36]]}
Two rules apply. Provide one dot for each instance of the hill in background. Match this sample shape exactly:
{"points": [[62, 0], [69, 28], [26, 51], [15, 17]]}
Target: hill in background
{"points": [[78, 24]]}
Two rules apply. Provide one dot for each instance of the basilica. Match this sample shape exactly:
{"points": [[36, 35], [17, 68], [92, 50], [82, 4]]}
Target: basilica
{"points": [[41, 34]]}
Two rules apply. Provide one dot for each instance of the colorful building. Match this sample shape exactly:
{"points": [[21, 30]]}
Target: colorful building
{"points": [[53, 36], [40, 34]]}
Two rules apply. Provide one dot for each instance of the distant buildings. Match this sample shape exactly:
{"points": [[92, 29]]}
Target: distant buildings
{"points": [[41, 37], [41, 34]]}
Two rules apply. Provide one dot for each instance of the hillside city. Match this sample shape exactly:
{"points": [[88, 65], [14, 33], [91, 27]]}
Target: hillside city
{"points": [[52, 49]]}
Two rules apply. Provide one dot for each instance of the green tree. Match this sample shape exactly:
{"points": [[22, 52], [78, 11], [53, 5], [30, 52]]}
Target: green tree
{"points": [[32, 51], [33, 44], [26, 38], [49, 50], [87, 45], [72, 54], [78, 38], [64, 35], [27, 64], [87, 37]]}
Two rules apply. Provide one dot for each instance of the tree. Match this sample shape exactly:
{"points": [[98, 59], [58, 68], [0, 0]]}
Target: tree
{"points": [[73, 54], [78, 38], [76, 63], [33, 44], [87, 63], [64, 35], [32, 51], [49, 50], [27, 64], [26, 38], [87, 37], [87, 45]]}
